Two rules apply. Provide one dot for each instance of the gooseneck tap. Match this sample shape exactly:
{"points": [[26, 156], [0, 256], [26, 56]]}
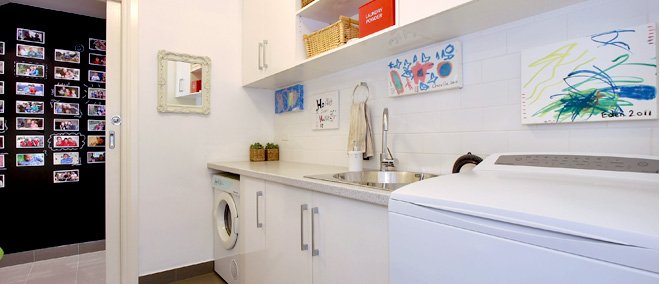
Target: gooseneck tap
{"points": [[386, 164]]}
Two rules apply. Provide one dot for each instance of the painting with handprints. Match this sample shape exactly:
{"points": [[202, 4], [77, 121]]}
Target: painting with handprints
{"points": [[608, 76], [431, 68], [289, 99]]}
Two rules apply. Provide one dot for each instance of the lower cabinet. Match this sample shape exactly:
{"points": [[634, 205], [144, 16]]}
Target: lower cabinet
{"points": [[311, 237]]}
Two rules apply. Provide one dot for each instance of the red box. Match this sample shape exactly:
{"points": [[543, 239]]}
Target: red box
{"points": [[375, 16]]}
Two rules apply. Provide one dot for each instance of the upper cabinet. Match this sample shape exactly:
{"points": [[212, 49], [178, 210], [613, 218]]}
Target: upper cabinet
{"points": [[269, 38], [418, 23]]}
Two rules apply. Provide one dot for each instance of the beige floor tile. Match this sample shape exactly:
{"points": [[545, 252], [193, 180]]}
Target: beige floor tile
{"points": [[209, 278], [54, 271], [14, 274]]}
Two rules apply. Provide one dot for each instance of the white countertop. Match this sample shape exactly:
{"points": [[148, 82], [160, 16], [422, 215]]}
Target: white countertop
{"points": [[291, 173]]}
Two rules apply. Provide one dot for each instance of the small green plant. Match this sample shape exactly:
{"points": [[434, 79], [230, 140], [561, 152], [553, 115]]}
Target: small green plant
{"points": [[256, 145], [272, 146]]}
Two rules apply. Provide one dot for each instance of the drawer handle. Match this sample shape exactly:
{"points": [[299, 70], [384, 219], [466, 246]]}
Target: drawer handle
{"points": [[315, 251], [303, 245], [259, 224]]}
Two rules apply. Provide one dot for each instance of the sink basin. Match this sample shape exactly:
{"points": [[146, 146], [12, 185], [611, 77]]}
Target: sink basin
{"points": [[385, 180]]}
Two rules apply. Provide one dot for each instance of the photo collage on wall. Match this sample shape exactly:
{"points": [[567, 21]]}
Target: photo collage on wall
{"points": [[60, 125]]}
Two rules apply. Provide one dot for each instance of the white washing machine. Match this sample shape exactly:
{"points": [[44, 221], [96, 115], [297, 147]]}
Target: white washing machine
{"points": [[530, 218], [226, 226]]}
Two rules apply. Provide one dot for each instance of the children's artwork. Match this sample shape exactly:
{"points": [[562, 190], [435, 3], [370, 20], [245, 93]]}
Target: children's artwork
{"points": [[289, 99], [608, 76], [432, 68], [326, 113]]}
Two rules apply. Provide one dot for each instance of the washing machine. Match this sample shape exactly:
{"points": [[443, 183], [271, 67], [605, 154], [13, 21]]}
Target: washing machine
{"points": [[226, 226], [530, 218]]}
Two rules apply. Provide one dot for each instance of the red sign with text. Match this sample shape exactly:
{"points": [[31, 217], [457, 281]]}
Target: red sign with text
{"points": [[375, 16]]}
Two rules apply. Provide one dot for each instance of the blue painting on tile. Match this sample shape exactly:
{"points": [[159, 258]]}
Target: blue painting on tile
{"points": [[289, 99]]}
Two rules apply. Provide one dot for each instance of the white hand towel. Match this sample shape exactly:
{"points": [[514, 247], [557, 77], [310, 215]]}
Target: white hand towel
{"points": [[360, 132]]}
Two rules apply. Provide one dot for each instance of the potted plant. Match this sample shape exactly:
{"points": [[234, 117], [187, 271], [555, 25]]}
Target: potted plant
{"points": [[272, 152], [257, 152]]}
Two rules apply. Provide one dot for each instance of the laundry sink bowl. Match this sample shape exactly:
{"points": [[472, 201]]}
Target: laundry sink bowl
{"points": [[386, 180]]}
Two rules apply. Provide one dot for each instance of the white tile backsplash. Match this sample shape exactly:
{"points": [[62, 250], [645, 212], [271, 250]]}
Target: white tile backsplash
{"points": [[429, 131]]}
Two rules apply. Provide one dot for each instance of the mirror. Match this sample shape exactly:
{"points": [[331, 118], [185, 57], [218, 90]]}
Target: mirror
{"points": [[184, 83]]}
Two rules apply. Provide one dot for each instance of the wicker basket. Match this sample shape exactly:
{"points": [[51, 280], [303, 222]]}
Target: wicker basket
{"points": [[272, 154], [331, 36], [257, 155], [305, 2]]}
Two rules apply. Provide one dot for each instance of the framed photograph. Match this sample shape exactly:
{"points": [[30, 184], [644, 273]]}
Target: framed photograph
{"points": [[29, 89], [30, 160], [2, 160], [96, 140], [95, 110], [2, 124], [2, 142], [65, 73], [66, 141], [95, 125], [95, 157], [96, 44], [66, 176], [97, 59], [29, 141], [29, 70], [30, 51], [96, 93], [2, 106], [2, 67], [2, 48], [2, 177], [66, 108], [2, 87], [71, 92], [29, 107], [96, 76], [66, 124], [68, 56], [29, 123], [30, 35], [66, 158]]}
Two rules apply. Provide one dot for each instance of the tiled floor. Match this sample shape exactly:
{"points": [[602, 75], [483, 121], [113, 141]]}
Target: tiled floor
{"points": [[209, 278], [86, 268]]}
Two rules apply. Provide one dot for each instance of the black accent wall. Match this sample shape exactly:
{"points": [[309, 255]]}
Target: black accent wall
{"points": [[36, 212]]}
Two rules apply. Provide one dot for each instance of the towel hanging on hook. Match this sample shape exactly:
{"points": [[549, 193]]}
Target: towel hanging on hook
{"points": [[360, 133]]}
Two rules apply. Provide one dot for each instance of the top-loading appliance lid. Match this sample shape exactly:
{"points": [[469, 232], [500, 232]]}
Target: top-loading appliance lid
{"points": [[618, 208]]}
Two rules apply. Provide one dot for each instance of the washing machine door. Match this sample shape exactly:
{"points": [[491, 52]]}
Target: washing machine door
{"points": [[226, 220]]}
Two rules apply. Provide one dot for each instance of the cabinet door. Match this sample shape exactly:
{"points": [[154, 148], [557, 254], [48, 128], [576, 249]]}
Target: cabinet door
{"points": [[352, 238], [288, 231], [414, 10], [279, 24], [253, 35], [251, 236]]}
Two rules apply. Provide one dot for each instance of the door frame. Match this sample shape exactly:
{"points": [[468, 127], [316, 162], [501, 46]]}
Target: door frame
{"points": [[122, 162]]}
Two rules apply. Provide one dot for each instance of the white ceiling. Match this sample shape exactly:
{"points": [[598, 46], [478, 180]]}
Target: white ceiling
{"points": [[92, 8]]}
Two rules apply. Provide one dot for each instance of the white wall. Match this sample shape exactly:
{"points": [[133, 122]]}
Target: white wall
{"points": [[175, 195], [428, 132]]}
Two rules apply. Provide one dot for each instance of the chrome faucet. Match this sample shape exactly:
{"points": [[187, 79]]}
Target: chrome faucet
{"points": [[386, 164]]}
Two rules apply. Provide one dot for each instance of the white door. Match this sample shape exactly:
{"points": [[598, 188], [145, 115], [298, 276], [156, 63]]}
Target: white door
{"points": [[252, 237], [288, 235], [352, 239]]}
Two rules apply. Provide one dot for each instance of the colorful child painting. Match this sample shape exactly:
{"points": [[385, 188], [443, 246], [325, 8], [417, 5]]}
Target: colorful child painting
{"points": [[289, 99]]}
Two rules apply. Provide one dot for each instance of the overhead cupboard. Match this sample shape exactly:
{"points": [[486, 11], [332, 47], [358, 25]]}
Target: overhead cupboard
{"points": [[274, 53], [295, 235]]}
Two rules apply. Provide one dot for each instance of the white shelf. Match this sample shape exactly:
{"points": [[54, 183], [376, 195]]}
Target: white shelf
{"points": [[328, 11], [468, 18]]}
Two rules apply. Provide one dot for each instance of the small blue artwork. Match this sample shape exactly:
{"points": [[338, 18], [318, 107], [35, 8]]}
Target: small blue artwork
{"points": [[289, 99]]}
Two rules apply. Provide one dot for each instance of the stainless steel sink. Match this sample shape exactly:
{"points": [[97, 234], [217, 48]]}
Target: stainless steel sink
{"points": [[386, 180]]}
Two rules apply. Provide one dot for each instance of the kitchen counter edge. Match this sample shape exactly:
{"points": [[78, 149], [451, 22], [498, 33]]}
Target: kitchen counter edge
{"points": [[291, 173]]}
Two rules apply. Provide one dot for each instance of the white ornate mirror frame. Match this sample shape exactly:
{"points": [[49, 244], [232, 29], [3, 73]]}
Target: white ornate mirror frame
{"points": [[164, 105]]}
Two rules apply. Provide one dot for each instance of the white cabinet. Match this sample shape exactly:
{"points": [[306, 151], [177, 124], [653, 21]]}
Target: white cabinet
{"points": [[252, 230], [350, 238], [414, 10], [269, 32]]}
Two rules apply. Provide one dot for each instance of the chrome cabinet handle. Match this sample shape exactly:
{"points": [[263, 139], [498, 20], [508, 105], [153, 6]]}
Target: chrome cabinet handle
{"points": [[264, 54], [261, 52], [303, 245], [259, 193], [315, 251], [112, 139]]}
